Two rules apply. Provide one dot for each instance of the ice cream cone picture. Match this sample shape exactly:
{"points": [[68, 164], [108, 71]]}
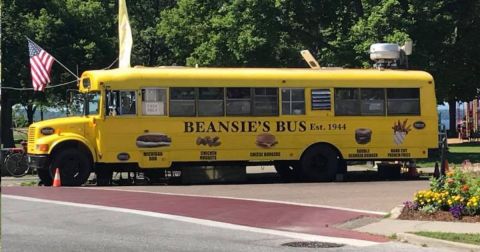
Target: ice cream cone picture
{"points": [[400, 131]]}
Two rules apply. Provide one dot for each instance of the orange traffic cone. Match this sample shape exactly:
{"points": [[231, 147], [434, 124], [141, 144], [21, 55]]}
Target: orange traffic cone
{"points": [[56, 180]]}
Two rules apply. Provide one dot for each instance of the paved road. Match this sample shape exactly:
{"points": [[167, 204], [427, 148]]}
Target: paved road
{"points": [[380, 196], [362, 191], [42, 226], [268, 215]]}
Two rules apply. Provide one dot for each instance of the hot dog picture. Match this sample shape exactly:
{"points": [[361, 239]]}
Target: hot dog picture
{"points": [[153, 140]]}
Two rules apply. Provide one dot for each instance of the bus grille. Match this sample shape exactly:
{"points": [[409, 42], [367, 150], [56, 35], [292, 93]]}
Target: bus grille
{"points": [[31, 135]]}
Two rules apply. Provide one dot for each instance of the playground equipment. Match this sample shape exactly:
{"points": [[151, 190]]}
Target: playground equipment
{"points": [[468, 122]]}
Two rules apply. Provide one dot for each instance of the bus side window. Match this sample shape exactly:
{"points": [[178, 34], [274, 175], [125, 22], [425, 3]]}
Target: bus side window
{"points": [[403, 101], [154, 101], [293, 101], [265, 101], [127, 103], [347, 101], [239, 101], [210, 101], [372, 101], [182, 101]]}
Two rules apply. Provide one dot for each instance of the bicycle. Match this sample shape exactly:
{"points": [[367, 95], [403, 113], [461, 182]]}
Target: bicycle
{"points": [[16, 162]]}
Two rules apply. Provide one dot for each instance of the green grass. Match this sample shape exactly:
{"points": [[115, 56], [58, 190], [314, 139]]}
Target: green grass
{"points": [[29, 183], [455, 237], [457, 153]]}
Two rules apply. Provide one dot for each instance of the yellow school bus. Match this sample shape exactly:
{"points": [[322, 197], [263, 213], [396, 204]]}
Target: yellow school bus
{"points": [[305, 122]]}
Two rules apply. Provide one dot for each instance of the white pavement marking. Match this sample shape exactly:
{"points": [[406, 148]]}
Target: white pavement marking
{"points": [[308, 237], [249, 199]]}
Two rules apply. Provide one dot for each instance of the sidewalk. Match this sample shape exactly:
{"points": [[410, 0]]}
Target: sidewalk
{"points": [[389, 227], [403, 229]]}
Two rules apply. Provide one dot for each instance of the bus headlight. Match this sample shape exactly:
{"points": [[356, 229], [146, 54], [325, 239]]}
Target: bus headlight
{"points": [[42, 147], [47, 131]]}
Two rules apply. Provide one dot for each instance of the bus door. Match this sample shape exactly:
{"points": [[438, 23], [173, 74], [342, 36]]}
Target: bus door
{"points": [[115, 134]]}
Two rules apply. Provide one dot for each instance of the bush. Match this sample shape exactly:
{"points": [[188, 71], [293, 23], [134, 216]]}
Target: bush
{"points": [[457, 192]]}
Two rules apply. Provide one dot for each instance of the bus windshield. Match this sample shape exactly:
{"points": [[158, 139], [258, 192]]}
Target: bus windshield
{"points": [[93, 100], [79, 100]]}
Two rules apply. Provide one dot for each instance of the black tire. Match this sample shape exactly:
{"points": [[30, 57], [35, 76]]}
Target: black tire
{"points": [[45, 177], [74, 165], [342, 166], [319, 163], [16, 164], [288, 171]]}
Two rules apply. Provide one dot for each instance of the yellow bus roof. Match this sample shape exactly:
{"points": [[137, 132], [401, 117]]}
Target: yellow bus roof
{"points": [[137, 77]]}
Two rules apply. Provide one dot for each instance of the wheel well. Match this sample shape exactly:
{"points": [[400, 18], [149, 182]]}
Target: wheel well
{"points": [[323, 144], [73, 144]]}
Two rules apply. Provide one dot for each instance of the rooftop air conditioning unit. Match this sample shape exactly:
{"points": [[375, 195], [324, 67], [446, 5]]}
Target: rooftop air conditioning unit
{"points": [[387, 55]]}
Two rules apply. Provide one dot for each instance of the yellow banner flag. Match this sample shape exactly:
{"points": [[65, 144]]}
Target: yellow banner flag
{"points": [[124, 35]]}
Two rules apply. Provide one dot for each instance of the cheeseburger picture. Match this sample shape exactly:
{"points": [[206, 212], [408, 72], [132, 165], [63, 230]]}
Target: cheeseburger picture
{"points": [[153, 140], [266, 140]]}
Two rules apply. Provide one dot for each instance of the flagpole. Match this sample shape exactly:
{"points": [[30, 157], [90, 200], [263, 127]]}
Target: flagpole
{"points": [[55, 60], [65, 67]]}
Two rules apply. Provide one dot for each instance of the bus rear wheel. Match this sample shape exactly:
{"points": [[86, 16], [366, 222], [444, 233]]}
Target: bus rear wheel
{"points": [[74, 166], [319, 163]]}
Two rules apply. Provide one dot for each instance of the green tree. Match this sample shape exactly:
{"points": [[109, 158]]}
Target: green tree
{"points": [[213, 33], [78, 33], [444, 35], [149, 49]]}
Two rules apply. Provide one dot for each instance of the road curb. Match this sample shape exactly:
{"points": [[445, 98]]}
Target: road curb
{"points": [[435, 243], [395, 212]]}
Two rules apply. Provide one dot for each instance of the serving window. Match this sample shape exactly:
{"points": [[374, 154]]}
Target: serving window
{"points": [[154, 101]]}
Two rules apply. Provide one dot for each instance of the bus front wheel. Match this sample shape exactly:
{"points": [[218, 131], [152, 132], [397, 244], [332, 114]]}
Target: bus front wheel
{"points": [[45, 177], [319, 163], [74, 166]]}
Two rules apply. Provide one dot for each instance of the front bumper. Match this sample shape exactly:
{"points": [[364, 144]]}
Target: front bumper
{"points": [[38, 162]]}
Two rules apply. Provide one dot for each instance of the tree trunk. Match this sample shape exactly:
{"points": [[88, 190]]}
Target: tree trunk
{"points": [[452, 111], [30, 112], [6, 124], [41, 113]]}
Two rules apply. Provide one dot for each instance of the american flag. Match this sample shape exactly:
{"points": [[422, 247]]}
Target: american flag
{"points": [[40, 65]]}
